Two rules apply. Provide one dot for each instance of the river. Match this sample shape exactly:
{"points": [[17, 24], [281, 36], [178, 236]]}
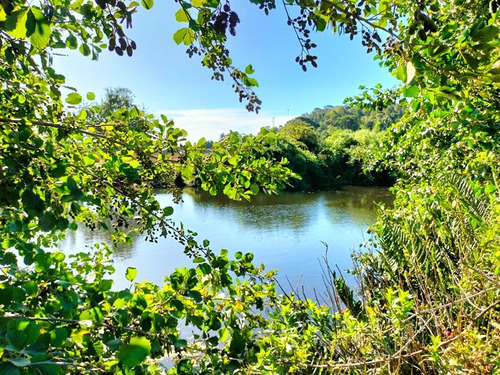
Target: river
{"points": [[288, 232]]}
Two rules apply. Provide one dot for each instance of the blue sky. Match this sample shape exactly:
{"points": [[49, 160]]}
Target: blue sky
{"points": [[166, 81]]}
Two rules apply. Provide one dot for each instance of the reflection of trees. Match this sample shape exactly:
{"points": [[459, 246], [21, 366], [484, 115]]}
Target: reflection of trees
{"points": [[296, 210], [288, 212], [356, 204], [81, 239], [285, 211], [287, 199]]}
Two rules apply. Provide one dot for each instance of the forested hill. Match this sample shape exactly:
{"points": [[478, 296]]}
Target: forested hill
{"points": [[335, 146], [353, 118]]}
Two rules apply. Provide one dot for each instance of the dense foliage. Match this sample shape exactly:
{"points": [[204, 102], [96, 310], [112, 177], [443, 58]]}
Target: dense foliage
{"points": [[331, 158], [339, 146], [355, 118], [428, 299], [328, 154]]}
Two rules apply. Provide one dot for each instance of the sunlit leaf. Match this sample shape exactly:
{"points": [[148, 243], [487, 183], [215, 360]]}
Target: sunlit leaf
{"points": [[132, 354], [131, 273], [74, 98]]}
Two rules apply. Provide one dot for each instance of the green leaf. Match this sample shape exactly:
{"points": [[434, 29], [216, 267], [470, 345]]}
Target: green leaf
{"points": [[19, 362], [147, 4], [135, 352], [71, 42], [205, 268], [187, 171], [179, 35], [131, 273], [113, 344], [167, 211], [16, 340], [181, 15], [400, 72], [90, 95], [184, 367], [41, 33], [252, 82], [45, 369], [410, 91], [486, 34], [47, 221], [58, 336], [30, 23], [254, 188], [196, 295], [32, 201], [179, 344], [471, 60], [3, 15], [82, 115], [223, 334], [184, 35], [8, 369], [85, 49], [490, 189], [16, 24], [249, 70], [74, 98]]}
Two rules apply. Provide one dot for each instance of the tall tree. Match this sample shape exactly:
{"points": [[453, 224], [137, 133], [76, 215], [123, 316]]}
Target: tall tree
{"points": [[116, 98]]}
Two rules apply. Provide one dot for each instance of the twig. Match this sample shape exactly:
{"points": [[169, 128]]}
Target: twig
{"points": [[486, 310], [450, 303], [385, 359]]}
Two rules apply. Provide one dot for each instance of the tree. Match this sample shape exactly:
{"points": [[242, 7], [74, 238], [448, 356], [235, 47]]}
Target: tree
{"points": [[115, 98], [304, 131], [343, 117]]}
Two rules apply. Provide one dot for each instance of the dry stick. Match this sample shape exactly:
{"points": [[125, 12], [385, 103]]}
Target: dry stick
{"points": [[497, 282], [400, 355], [418, 313], [486, 310], [450, 303], [386, 359], [420, 330]]}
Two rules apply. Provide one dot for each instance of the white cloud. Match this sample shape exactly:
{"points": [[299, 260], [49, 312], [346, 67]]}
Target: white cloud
{"points": [[210, 123]]}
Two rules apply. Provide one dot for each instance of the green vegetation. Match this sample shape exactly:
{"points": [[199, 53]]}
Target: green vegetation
{"points": [[115, 99], [336, 146], [429, 296], [355, 118]]}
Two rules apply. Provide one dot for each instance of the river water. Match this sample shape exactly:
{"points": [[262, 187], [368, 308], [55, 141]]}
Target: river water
{"points": [[288, 232]]}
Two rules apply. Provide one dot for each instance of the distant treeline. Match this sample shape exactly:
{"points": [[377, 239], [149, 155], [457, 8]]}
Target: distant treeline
{"points": [[335, 146]]}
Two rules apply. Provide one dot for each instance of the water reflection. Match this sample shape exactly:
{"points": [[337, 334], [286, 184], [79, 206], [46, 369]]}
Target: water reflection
{"points": [[84, 238], [285, 232], [287, 211]]}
